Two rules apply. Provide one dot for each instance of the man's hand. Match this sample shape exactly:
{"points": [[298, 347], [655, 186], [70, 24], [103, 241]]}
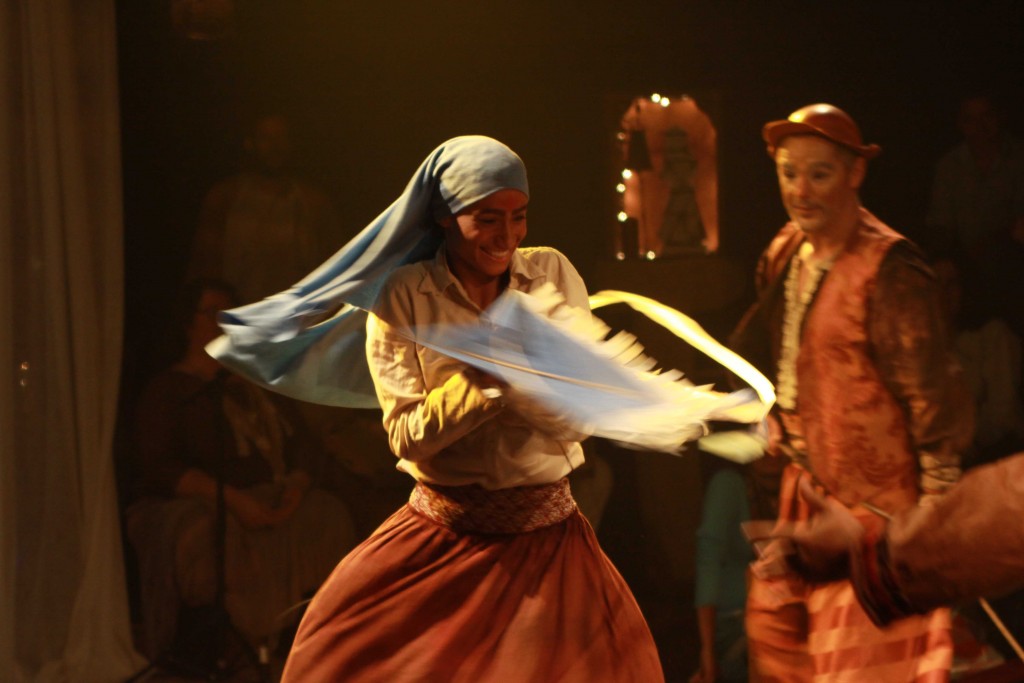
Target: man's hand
{"points": [[824, 541]]}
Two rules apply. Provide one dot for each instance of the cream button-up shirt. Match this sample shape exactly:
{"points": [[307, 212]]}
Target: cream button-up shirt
{"points": [[439, 423]]}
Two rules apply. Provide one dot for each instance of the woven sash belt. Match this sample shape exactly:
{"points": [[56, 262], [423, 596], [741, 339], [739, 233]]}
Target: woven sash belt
{"points": [[474, 509]]}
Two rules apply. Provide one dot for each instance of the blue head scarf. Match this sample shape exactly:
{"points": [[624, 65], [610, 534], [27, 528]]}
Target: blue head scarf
{"points": [[284, 342]]}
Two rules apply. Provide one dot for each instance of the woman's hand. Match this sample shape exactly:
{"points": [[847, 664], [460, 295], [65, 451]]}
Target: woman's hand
{"points": [[489, 384], [525, 410]]}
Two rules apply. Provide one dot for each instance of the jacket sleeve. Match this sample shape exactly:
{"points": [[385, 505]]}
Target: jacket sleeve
{"points": [[910, 341]]}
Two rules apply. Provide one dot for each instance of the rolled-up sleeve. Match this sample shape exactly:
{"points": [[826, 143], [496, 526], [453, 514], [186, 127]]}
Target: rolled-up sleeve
{"points": [[420, 422]]}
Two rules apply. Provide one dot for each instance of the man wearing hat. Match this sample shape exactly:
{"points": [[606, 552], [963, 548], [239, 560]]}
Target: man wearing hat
{"points": [[848, 323]]}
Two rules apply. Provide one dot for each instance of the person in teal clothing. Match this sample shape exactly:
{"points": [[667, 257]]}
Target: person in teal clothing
{"points": [[734, 495]]}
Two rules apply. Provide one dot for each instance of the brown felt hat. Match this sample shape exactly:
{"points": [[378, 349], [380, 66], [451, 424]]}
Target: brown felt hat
{"points": [[822, 120]]}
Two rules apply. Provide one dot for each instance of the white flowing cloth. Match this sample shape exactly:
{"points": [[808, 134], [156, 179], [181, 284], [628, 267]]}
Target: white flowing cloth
{"points": [[740, 446], [564, 360], [63, 602]]}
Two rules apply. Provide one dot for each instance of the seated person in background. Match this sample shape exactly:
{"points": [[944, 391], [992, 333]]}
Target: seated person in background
{"points": [[735, 494], [283, 535]]}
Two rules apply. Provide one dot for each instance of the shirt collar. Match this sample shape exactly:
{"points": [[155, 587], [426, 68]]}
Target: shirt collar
{"points": [[439, 277]]}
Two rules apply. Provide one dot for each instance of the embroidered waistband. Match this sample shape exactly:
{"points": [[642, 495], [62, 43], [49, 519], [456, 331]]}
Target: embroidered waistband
{"points": [[474, 509]]}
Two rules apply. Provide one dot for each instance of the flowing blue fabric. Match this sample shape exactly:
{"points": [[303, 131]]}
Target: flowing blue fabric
{"points": [[308, 342]]}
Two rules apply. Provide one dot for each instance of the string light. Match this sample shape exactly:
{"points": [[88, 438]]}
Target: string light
{"points": [[620, 188]]}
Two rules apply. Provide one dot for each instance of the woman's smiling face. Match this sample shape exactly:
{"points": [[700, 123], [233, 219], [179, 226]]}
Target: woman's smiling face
{"points": [[481, 239]]}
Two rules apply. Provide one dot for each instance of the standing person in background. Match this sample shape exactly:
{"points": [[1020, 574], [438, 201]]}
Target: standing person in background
{"points": [[264, 228], [977, 208], [870, 402], [734, 495]]}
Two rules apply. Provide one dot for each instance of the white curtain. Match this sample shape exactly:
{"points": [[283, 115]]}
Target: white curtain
{"points": [[63, 604]]}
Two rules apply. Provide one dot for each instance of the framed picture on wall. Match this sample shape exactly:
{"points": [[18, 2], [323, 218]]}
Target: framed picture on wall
{"points": [[668, 191]]}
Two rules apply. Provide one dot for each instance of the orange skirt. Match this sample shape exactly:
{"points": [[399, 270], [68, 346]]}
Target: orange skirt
{"points": [[429, 597]]}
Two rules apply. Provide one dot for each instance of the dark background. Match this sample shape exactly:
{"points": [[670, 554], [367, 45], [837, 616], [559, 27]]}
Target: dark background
{"points": [[371, 88]]}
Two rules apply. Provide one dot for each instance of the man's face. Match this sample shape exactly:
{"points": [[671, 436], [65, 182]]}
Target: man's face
{"points": [[270, 144], [818, 181]]}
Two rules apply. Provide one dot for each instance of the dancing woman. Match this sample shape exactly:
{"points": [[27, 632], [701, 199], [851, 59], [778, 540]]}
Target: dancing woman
{"points": [[490, 572]]}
